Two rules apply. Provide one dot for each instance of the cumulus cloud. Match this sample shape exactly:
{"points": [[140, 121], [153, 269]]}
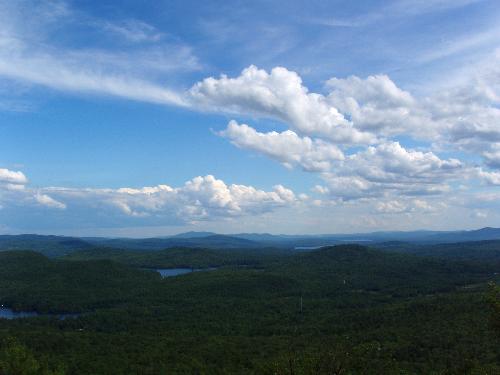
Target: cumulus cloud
{"points": [[409, 206], [368, 112], [363, 110], [373, 104], [280, 95], [12, 177], [287, 147], [492, 156], [355, 110], [390, 162], [13, 189], [490, 178], [463, 117], [391, 169], [48, 201], [201, 198]]}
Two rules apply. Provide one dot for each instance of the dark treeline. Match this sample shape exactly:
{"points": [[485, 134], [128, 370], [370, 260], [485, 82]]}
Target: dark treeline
{"points": [[183, 257], [487, 251]]}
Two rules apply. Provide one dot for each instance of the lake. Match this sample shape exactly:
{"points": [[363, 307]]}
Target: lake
{"points": [[6, 313], [170, 272], [310, 247]]}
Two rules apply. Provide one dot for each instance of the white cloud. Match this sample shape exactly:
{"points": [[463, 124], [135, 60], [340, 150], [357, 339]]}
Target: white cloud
{"points": [[377, 105], [390, 169], [133, 30], [287, 147], [407, 206], [391, 207], [27, 55], [462, 43], [323, 127], [60, 75], [356, 111], [425, 206], [12, 177], [14, 190], [392, 163], [491, 178], [280, 95], [492, 157], [377, 91], [48, 201], [202, 198], [418, 7], [463, 119], [208, 202], [479, 214], [391, 10]]}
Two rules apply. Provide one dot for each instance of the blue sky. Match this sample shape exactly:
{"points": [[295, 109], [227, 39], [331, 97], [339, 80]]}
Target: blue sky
{"points": [[154, 117]]}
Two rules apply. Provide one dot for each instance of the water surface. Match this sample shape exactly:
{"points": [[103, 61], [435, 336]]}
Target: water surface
{"points": [[170, 272], [6, 313]]}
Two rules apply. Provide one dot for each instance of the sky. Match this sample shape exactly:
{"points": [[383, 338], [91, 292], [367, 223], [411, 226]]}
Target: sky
{"points": [[149, 118]]}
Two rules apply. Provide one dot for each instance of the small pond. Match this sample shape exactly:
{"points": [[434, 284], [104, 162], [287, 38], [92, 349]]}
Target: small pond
{"points": [[169, 272]]}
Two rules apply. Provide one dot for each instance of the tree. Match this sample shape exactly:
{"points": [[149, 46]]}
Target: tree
{"points": [[16, 359], [494, 299]]}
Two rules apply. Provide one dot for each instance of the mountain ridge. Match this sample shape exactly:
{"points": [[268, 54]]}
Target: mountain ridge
{"points": [[52, 245]]}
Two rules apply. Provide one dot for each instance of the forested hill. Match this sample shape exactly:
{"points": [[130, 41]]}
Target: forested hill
{"points": [[488, 251], [48, 245], [344, 268], [55, 246], [359, 267], [349, 307], [30, 281], [217, 241], [179, 257]]}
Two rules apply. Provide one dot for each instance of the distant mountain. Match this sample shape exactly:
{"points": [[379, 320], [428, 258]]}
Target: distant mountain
{"points": [[192, 235], [51, 246], [259, 237], [470, 235], [420, 236], [60, 245], [210, 241]]}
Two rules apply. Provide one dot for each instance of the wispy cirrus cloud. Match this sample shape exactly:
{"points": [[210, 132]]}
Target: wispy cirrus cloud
{"points": [[28, 54], [132, 30], [394, 9]]}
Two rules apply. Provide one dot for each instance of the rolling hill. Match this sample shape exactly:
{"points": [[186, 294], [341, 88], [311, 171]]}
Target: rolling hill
{"points": [[51, 246]]}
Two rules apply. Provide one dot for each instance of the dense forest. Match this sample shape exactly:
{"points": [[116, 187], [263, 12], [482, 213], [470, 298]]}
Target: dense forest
{"points": [[337, 310]]}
